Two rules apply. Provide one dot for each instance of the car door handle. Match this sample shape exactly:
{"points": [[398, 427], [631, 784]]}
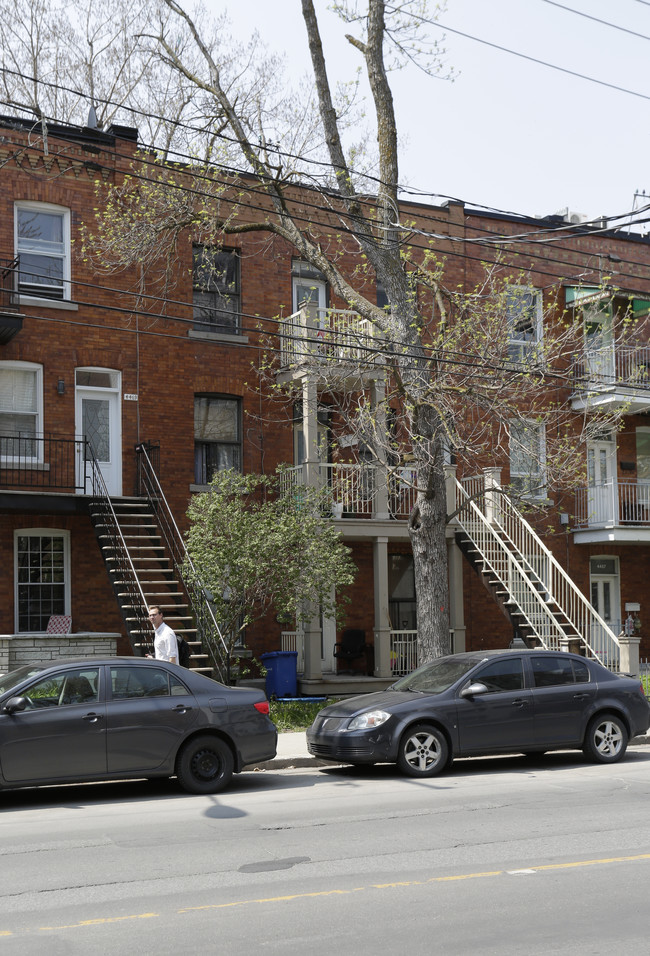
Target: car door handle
{"points": [[92, 717], [181, 709], [581, 696], [519, 702]]}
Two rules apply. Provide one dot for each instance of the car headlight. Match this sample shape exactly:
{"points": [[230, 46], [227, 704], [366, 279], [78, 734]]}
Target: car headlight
{"points": [[372, 718]]}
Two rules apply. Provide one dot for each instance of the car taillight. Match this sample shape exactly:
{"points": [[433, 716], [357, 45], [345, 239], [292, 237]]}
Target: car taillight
{"points": [[263, 707]]}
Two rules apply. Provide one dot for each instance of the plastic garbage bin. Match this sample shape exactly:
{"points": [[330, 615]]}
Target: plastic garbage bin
{"points": [[281, 673]]}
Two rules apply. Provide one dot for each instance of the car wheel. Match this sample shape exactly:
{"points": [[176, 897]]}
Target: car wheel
{"points": [[204, 765], [423, 751], [606, 739]]}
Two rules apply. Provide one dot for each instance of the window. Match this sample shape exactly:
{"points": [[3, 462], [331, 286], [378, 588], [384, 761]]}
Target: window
{"points": [[42, 574], [43, 246], [309, 290], [21, 400], [524, 315], [217, 436], [61, 690], [132, 681], [527, 459], [502, 675], [552, 671], [216, 290]]}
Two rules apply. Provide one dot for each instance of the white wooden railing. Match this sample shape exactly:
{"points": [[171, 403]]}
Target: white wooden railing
{"points": [[326, 335], [353, 486], [533, 581], [612, 503]]}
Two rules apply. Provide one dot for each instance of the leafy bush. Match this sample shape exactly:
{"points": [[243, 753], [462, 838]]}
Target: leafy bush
{"points": [[296, 714]]}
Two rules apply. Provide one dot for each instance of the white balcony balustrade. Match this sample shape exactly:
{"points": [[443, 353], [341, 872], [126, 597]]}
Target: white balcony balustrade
{"points": [[326, 336]]}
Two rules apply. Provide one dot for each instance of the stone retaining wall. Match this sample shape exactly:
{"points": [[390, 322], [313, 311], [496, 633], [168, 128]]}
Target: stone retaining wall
{"points": [[17, 649]]}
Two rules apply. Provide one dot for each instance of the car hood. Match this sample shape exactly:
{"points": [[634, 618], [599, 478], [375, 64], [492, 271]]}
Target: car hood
{"points": [[381, 700]]}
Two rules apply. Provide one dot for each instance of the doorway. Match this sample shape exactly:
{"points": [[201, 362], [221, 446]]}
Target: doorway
{"points": [[98, 420], [605, 590]]}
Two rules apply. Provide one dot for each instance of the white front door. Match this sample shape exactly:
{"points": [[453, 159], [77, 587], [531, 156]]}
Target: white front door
{"points": [[602, 491], [98, 420], [599, 347], [605, 595]]}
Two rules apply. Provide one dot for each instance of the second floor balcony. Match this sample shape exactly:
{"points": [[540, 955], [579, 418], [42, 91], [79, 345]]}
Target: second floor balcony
{"points": [[359, 490], [613, 510], [337, 338], [611, 376]]}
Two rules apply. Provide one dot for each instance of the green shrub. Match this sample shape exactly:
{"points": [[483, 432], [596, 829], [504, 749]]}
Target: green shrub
{"points": [[292, 715]]}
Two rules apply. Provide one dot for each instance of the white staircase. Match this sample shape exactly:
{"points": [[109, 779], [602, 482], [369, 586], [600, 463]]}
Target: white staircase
{"points": [[527, 580]]}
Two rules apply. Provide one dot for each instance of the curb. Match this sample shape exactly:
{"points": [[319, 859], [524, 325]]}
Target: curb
{"points": [[298, 763]]}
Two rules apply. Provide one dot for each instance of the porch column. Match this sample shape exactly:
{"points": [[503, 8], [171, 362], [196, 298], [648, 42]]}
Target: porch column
{"points": [[629, 645], [377, 401], [312, 478], [312, 664], [311, 465], [456, 607], [382, 619], [492, 479]]}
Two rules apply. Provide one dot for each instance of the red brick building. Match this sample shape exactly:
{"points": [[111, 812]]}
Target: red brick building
{"points": [[106, 389]]}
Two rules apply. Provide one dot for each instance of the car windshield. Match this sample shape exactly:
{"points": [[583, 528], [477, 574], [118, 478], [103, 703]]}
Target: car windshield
{"points": [[17, 676], [437, 676]]}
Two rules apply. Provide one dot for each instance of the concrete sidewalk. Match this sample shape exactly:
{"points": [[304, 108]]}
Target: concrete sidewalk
{"points": [[292, 753]]}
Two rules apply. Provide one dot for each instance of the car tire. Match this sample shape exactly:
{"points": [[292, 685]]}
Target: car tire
{"points": [[204, 765], [606, 739], [423, 751]]}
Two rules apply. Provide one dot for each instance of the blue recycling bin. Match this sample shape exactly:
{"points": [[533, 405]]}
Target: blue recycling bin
{"points": [[281, 673]]}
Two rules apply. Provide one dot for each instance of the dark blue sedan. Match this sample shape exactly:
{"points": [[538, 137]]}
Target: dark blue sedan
{"points": [[125, 717], [493, 702]]}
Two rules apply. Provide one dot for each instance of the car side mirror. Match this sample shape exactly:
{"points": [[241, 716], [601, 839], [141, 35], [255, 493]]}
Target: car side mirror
{"points": [[14, 704], [474, 689]]}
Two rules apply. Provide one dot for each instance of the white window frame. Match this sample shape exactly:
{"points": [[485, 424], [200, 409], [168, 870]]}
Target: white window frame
{"points": [[520, 481], [49, 533], [521, 349], [65, 256], [37, 414]]}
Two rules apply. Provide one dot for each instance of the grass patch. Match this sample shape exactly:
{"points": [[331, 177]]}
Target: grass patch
{"points": [[293, 715]]}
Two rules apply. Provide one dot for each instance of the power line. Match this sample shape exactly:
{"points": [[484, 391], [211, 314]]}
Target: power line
{"points": [[588, 16], [545, 63]]}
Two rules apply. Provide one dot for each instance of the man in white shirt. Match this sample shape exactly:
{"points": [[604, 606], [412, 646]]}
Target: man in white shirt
{"points": [[164, 643]]}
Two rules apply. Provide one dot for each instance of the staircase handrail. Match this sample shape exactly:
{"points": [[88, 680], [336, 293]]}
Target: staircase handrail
{"points": [[512, 567], [127, 570], [195, 589], [574, 605]]}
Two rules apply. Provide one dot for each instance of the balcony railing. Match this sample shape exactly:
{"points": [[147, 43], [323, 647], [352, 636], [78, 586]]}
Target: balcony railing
{"points": [[613, 503], [9, 301], [353, 488], [29, 462], [326, 336], [611, 365]]}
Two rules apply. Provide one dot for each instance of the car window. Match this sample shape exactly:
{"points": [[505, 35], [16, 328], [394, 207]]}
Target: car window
{"points": [[502, 675], [436, 676], [550, 671], [128, 682], [64, 688]]}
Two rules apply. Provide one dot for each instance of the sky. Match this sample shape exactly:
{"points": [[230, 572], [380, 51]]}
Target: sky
{"points": [[508, 133]]}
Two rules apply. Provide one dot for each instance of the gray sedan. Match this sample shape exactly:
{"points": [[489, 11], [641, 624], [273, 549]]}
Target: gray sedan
{"points": [[125, 717], [482, 703]]}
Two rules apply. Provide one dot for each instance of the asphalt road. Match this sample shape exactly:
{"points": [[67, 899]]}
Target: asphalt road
{"points": [[500, 856]]}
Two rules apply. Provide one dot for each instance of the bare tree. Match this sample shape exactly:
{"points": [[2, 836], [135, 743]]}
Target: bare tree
{"points": [[450, 377]]}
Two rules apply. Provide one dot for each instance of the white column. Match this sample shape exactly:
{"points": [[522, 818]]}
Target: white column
{"points": [[456, 606], [382, 619], [377, 401]]}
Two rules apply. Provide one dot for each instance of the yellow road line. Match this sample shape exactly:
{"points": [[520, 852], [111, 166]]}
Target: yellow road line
{"points": [[485, 874]]}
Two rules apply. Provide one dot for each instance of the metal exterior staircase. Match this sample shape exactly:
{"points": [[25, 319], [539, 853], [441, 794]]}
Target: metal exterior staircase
{"points": [[147, 562], [525, 578]]}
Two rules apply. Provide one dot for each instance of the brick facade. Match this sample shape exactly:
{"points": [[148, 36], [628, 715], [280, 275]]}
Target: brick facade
{"points": [[164, 367]]}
